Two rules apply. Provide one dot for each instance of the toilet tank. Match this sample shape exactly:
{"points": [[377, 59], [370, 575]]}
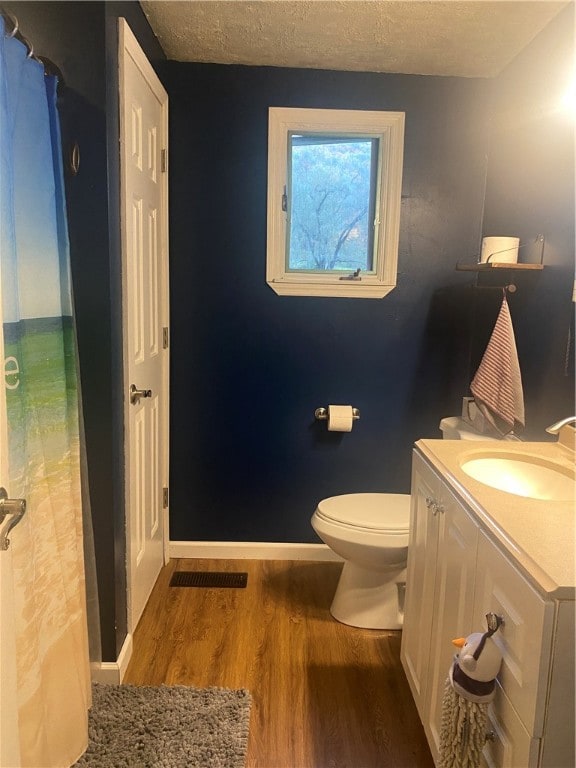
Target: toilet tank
{"points": [[455, 428]]}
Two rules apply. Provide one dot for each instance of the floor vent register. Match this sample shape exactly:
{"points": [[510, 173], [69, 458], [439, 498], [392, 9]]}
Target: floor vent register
{"points": [[208, 579]]}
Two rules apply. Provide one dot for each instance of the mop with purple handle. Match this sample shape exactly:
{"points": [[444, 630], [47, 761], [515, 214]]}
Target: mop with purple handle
{"points": [[470, 686]]}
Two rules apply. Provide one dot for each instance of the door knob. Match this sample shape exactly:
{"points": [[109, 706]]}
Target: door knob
{"points": [[136, 394], [11, 512]]}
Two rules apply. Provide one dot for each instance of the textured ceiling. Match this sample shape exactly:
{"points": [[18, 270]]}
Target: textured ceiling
{"points": [[469, 39]]}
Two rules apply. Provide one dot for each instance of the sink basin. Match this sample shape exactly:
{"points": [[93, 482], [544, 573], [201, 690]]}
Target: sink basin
{"points": [[523, 475]]}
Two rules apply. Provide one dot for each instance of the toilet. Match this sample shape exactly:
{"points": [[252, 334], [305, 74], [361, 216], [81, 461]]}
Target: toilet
{"points": [[370, 532]]}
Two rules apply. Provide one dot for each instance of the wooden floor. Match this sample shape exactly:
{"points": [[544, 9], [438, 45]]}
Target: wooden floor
{"points": [[324, 695]]}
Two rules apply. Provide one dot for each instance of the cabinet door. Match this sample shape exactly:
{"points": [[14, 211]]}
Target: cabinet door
{"points": [[509, 744], [420, 578], [525, 637], [453, 602]]}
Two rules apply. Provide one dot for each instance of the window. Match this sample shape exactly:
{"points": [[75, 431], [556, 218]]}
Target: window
{"points": [[334, 181]]}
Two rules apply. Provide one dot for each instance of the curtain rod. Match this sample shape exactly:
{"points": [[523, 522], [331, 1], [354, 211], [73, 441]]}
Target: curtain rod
{"points": [[49, 67]]}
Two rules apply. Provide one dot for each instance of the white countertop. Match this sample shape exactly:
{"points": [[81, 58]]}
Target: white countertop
{"points": [[539, 535]]}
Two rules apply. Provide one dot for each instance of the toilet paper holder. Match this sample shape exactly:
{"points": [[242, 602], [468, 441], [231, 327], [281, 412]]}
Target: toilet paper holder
{"points": [[321, 414]]}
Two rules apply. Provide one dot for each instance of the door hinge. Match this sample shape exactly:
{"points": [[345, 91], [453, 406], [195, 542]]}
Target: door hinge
{"points": [[163, 161], [164, 498], [165, 338], [284, 200]]}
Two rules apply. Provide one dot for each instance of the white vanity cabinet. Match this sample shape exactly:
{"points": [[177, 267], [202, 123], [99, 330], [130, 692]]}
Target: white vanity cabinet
{"points": [[532, 716], [440, 596], [457, 573]]}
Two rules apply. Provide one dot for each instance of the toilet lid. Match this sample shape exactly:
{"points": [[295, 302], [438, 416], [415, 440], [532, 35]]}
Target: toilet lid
{"points": [[388, 512]]}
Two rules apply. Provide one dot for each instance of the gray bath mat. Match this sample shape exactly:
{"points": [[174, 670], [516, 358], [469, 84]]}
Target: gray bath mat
{"points": [[166, 727]]}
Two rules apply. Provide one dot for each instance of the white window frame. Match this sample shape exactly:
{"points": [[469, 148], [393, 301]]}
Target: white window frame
{"points": [[388, 127]]}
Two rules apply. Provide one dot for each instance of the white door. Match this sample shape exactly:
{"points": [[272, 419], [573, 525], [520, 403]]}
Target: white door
{"points": [[143, 139]]}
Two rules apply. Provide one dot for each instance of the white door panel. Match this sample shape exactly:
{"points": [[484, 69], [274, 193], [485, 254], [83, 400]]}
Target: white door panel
{"points": [[143, 108]]}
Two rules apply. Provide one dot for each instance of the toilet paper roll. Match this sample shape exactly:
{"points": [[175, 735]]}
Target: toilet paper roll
{"points": [[340, 418], [500, 250]]}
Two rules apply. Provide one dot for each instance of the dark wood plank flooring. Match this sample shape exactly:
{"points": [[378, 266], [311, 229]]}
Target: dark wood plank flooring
{"points": [[324, 695]]}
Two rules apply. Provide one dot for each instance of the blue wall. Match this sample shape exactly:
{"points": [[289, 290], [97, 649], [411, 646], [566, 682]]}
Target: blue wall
{"points": [[482, 157], [530, 191], [248, 367]]}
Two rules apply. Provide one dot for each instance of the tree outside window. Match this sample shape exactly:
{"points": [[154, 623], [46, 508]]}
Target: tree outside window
{"points": [[332, 200]]}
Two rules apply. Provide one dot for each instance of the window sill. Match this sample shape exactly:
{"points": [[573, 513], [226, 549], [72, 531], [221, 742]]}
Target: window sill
{"points": [[342, 288]]}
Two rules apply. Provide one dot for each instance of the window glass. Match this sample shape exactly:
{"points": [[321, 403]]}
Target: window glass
{"points": [[331, 200]]}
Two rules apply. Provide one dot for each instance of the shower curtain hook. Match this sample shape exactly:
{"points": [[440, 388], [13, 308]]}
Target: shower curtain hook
{"points": [[19, 36], [30, 47], [30, 54], [13, 20]]}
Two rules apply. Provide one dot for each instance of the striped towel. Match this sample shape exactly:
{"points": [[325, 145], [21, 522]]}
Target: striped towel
{"points": [[497, 385]]}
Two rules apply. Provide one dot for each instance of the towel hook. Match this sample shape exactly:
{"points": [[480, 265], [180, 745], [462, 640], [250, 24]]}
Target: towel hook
{"points": [[511, 288]]}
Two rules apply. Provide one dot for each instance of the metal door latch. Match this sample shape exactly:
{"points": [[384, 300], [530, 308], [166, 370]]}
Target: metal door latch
{"points": [[11, 512], [136, 394]]}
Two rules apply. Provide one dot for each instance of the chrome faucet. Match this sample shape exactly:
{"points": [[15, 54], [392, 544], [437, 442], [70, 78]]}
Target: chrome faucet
{"points": [[555, 428]]}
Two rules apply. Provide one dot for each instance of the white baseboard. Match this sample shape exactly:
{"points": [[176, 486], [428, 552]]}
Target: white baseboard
{"points": [[112, 672], [251, 550]]}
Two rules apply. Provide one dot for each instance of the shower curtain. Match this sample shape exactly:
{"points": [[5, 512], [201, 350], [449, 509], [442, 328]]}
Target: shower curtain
{"points": [[52, 664]]}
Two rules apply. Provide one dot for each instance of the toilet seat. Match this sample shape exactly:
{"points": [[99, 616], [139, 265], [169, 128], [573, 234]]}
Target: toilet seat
{"points": [[387, 513]]}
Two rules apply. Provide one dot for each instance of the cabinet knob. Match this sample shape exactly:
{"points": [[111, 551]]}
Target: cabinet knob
{"points": [[490, 736], [433, 505]]}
